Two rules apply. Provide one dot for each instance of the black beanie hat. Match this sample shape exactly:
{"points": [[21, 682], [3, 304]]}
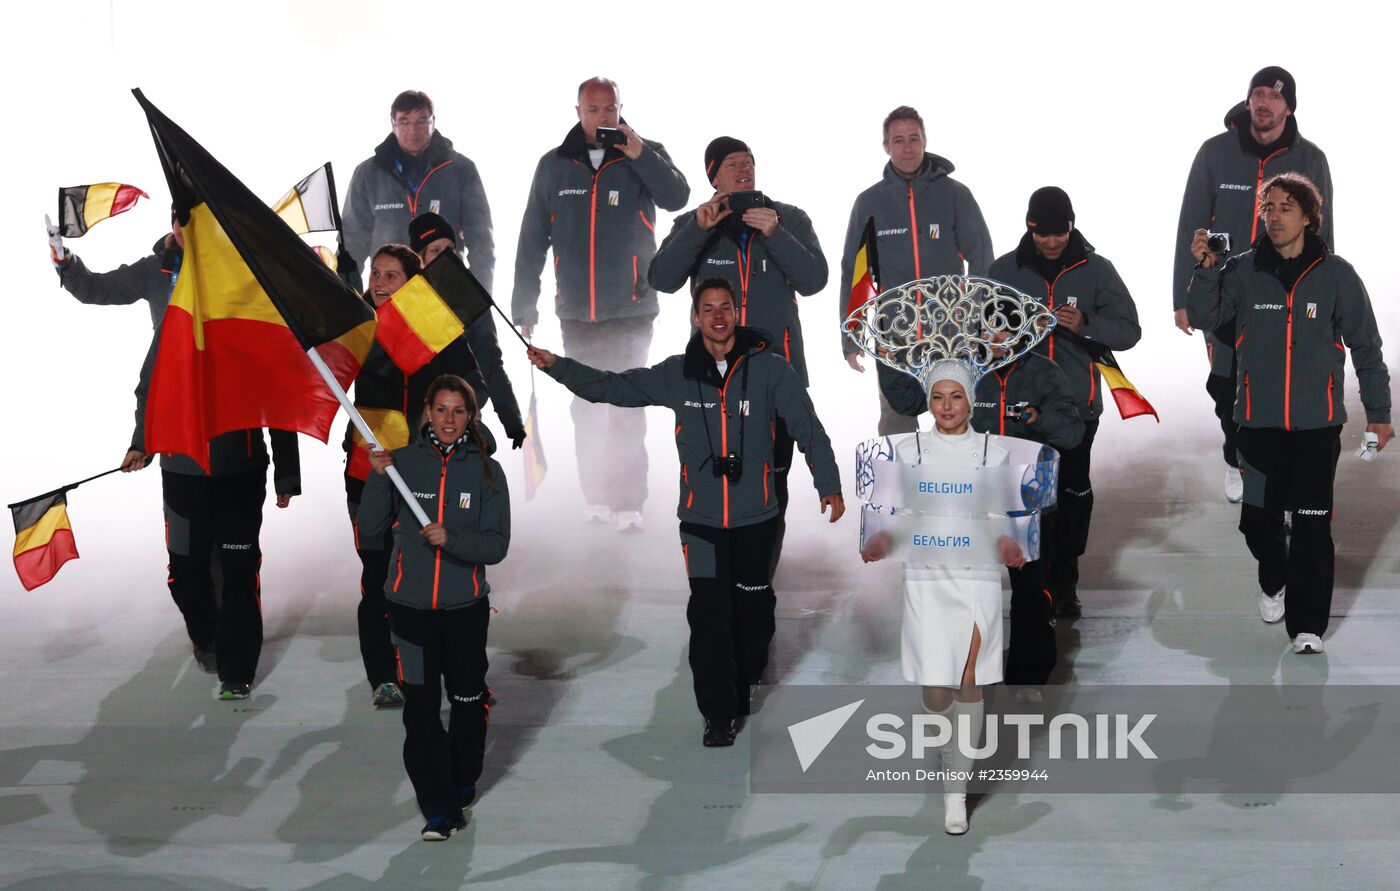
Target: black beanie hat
{"points": [[718, 150], [1049, 211], [1276, 78], [427, 228]]}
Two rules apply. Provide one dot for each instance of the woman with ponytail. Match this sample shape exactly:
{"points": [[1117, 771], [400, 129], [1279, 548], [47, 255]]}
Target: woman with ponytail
{"points": [[437, 593]]}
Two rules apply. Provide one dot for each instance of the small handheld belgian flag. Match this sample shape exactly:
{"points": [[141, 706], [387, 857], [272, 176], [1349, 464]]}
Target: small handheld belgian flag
{"points": [[43, 538], [865, 276], [82, 207]]}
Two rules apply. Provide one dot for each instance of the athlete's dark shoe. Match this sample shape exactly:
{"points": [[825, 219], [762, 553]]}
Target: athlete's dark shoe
{"points": [[207, 659], [229, 691], [441, 828], [720, 733]]}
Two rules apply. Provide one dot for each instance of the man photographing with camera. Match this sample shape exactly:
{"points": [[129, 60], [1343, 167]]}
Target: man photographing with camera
{"points": [[1261, 139], [1294, 304], [727, 390], [766, 250], [593, 202]]}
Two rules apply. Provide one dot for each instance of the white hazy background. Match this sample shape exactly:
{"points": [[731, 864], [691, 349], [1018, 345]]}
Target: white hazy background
{"points": [[1109, 101]]}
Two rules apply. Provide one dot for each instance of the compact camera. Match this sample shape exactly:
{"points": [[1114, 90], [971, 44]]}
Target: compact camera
{"points": [[1218, 243], [730, 466], [1018, 411], [608, 136]]}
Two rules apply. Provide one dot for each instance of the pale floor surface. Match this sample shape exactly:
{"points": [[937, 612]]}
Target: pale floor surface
{"points": [[120, 770]]}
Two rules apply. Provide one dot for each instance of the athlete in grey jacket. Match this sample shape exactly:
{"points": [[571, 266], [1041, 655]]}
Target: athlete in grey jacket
{"points": [[148, 279], [416, 170], [1261, 139], [1095, 312], [595, 206], [769, 254], [1294, 306], [437, 593], [727, 391], [926, 223]]}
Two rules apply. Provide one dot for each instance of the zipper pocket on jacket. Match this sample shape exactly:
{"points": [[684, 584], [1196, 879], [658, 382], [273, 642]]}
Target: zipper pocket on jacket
{"points": [[1247, 406], [634, 278], [1330, 381]]}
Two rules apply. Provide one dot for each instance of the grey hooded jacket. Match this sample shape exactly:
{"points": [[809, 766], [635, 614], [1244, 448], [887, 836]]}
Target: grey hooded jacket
{"points": [[1089, 282], [601, 225], [930, 225], [389, 189], [1221, 195], [767, 273], [453, 491], [718, 416], [1289, 343], [1031, 380]]}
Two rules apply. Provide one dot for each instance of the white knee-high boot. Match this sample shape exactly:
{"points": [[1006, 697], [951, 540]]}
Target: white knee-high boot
{"points": [[955, 759]]}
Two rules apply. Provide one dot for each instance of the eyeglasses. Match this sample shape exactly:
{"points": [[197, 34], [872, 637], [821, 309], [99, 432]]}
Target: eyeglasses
{"points": [[413, 124]]}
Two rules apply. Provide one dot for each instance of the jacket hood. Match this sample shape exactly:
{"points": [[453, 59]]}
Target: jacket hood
{"points": [[1267, 257], [576, 146], [1237, 119], [934, 167], [468, 445], [388, 151], [1077, 249], [700, 365]]}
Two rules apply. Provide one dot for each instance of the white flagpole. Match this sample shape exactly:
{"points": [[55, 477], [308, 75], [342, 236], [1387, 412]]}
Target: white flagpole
{"points": [[366, 433]]}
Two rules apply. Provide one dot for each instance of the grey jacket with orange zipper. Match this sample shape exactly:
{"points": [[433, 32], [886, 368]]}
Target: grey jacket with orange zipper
{"points": [[385, 196], [928, 225], [1089, 282], [601, 225], [452, 491], [767, 273], [1289, 342], [1221, 195], [717, 416]]}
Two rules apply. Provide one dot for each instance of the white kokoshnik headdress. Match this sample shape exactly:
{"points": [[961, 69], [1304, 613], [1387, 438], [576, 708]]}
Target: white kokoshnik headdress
{"points": [[922, 325]]}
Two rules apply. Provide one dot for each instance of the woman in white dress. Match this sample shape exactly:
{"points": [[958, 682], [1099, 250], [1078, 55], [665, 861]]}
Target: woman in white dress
{"points": [[951, 639]]}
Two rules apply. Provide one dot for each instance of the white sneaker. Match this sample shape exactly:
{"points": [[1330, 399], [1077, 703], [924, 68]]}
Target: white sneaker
{"points": [[597, 513], [1234, 485], [955, 814], [1271, 608], [1307, 644], [628, 521]]}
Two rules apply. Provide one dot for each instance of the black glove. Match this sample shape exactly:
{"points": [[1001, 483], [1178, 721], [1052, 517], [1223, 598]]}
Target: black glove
{"points": [[517, 439]]}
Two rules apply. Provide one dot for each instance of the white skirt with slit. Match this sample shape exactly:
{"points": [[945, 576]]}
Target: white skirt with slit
{"points": [[941, 606]]}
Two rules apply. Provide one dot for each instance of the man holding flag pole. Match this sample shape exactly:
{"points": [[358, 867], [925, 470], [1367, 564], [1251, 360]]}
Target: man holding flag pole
{"points": [[259, 333]]}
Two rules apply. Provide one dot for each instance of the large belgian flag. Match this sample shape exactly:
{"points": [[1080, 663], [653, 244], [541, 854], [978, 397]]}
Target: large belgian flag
{"points": [[251, 301]]}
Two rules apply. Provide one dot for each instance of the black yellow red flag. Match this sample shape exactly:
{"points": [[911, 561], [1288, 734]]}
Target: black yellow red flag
{"points": [[865, 277], [252, 303], [82, 207]]}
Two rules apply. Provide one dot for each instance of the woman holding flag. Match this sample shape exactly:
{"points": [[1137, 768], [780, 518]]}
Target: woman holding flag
{"points": [[387, 391], [437, 601]]}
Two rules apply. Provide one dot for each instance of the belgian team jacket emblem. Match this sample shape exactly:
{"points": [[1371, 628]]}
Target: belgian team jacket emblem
{"points": [[464, 500]]}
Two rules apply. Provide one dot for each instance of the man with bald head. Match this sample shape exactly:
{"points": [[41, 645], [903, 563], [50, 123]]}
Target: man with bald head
{"points": [[593, 202]]}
